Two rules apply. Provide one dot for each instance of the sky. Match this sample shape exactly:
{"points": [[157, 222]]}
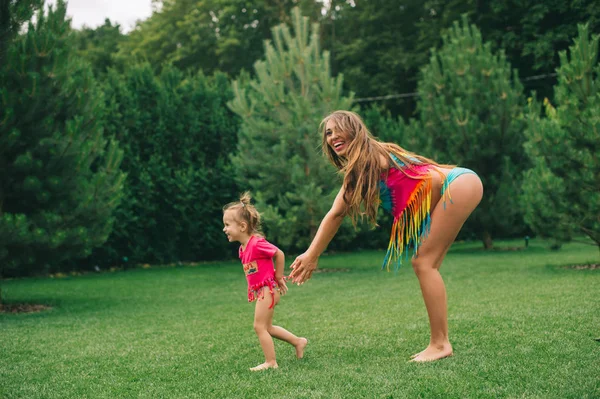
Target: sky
{"points": [[92, 13]]}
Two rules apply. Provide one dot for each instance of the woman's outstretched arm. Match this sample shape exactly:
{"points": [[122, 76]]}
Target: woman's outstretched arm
{"points": [[304, 265]]}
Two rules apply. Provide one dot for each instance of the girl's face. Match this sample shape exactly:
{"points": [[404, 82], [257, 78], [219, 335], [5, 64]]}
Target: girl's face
{"points": [[337, 140], [234, 229]]}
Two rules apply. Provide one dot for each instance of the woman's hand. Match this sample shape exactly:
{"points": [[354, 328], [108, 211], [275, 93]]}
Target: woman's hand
{"points": [[303, 268], [305, 264], [281, 284]]}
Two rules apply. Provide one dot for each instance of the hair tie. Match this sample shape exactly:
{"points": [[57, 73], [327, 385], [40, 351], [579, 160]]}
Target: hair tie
{"points": [[243, 205]]}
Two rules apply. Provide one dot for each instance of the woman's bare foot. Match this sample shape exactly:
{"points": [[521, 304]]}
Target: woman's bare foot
{"points": [[302, 342], [416, 354], [432, 353], [264, 366]]}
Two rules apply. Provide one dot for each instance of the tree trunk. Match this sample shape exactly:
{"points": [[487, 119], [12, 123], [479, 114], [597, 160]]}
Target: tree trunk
{"points": [[594, 235], [488, 243]]}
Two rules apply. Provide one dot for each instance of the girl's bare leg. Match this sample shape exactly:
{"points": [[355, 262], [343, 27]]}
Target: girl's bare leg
{"points": [[282, 334], [467, 191], [263, 317]]}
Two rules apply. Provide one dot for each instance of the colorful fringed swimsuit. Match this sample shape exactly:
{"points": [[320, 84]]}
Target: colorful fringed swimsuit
{"points": [[406, 194], [257, 260]]}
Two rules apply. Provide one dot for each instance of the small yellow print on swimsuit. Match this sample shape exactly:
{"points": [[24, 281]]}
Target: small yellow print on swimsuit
{"points": [[250, 268]]}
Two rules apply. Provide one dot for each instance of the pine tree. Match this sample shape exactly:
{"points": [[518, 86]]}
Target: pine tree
{"points": [[278, 155], [470, 108], [562, 190], [59, 176], [12, 16]]}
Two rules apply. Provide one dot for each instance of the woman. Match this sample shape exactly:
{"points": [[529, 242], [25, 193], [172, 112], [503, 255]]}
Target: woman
{"points": [[416, 190]]}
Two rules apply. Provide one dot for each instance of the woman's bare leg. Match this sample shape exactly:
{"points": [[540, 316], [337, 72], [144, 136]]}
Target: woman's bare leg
{"points": [[445, 225]]}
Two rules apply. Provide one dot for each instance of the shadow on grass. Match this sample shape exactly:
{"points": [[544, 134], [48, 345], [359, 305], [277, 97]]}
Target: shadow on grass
{"points": [[583, 266], [20, 308], [496, 250]]}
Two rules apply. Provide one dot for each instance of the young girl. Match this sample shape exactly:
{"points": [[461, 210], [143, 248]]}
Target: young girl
{"points": [[416, 190], [242, 224]]}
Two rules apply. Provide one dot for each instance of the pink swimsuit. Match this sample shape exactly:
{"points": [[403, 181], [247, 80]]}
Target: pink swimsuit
{"points": [[406, 195], [257, 260]]}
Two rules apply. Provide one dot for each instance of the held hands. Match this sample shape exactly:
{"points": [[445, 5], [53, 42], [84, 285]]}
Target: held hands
{"points": [[302, 268], [281, 284]]}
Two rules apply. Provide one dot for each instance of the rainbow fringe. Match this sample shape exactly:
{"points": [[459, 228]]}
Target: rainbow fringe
{"points": [[410, 227]]}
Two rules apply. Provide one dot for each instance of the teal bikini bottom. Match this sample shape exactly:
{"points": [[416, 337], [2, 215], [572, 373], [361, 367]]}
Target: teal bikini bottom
{"points": [[454, 173]]}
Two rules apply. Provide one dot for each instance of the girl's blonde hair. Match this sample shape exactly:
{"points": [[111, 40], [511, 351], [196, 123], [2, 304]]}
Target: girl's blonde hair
{"points": [[362, 166], [246, 212]]}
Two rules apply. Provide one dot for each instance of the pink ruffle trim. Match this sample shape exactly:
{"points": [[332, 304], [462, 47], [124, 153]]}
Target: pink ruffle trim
{"points": [[255, 291]]}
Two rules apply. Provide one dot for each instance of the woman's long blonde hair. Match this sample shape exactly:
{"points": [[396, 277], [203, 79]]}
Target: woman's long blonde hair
{"points": [[362, 166]]}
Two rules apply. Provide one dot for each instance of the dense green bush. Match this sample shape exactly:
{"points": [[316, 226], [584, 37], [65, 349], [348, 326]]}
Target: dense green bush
{"points": [[177, 135]]}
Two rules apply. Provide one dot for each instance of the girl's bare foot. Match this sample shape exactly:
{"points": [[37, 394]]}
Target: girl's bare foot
{"points": [[302, 342], [264, 366], [432, 353]]}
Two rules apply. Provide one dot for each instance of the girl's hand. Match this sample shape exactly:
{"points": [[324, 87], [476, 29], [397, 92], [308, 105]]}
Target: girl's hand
{"points": [[281, 284], [302, 268]]}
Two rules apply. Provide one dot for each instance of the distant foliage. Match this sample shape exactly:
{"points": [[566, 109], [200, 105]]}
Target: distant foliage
{"points": [[99, 46], [562, 190], [210, 36], [378, 62]]}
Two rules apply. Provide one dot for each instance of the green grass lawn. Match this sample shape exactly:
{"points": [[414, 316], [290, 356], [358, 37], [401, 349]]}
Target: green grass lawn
{"points": [[522, 326]]}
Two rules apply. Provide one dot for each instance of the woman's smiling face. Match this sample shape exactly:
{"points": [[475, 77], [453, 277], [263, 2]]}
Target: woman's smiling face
{"points": [[337, 140]]}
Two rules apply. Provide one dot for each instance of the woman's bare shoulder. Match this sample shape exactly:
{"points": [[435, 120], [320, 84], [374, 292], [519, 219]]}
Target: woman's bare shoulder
{"points": [[384, 162]]}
